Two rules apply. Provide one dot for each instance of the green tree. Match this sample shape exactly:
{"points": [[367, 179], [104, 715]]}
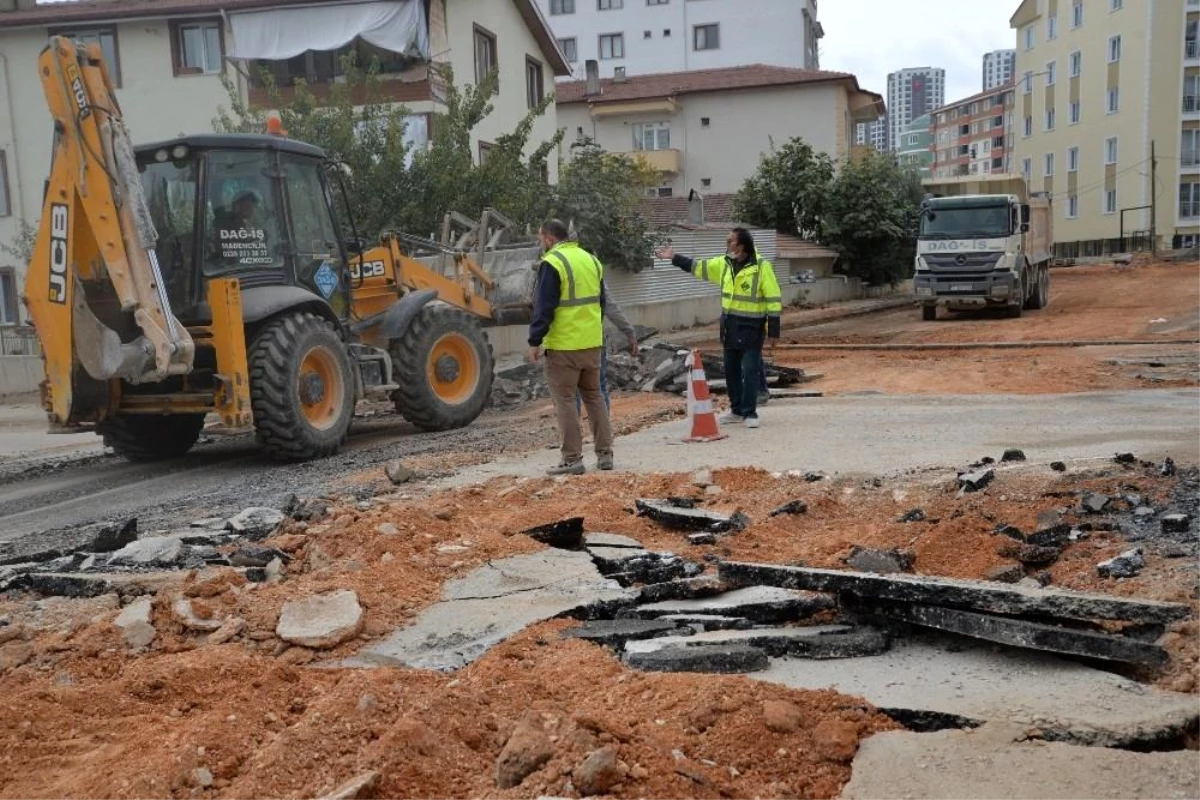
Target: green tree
{"points": [[865, 221], [789, 190], [21, 246], [600, 192]]}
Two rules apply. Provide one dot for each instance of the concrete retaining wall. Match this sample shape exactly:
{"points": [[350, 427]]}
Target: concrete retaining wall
{"points": [[20, 374]]}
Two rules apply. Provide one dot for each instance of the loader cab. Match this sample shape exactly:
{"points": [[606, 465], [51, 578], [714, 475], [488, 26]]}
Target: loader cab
{"points": [[257, 208]]}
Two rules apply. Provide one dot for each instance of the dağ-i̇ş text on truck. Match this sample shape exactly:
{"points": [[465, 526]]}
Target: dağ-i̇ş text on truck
{"points": [[983, 241]]}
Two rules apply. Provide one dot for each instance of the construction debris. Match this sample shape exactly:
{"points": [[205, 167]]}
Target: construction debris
{"points": [[616, 633], [729, 659], [1126, 565], [880, 561], [974, 481], [321, 621], [682, 515], [762, 604], [565, 534], [813, 641]]}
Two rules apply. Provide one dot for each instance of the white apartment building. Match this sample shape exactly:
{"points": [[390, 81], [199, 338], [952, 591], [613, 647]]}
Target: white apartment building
{"points": [[998, 68], [167, 59], [873, 134], [651, 36], [912, 93]]}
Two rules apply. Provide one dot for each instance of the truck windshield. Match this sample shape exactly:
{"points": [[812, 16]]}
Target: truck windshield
{"points": [[953, 223]]}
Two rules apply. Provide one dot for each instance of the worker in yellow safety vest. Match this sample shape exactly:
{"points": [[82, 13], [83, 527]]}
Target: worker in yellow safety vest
{"points": [[751, 304], [568, 322]]}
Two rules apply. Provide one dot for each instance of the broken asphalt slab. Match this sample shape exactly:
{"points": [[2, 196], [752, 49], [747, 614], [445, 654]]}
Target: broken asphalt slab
{"points": [[815, 641], [938, 677], [988, 763], [492, 603], [616, 632], [565, 534], [680, 518], [724, 659], [955, 593], [763, 604]]}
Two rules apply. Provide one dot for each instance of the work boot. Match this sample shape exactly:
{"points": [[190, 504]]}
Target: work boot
{"points": [[764, 397], [604, 462], [731, 419], [567, 468], [752, 422]]}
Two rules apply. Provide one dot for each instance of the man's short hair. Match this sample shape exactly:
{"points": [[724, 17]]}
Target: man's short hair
{"points": [[746, 240], [556, 228]]}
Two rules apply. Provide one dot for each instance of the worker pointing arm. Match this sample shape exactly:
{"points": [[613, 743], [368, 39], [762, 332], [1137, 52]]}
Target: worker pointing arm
{"points": [[751, 305]]}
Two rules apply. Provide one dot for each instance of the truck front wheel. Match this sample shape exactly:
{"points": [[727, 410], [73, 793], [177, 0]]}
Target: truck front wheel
{"points": [[1040, 296]]}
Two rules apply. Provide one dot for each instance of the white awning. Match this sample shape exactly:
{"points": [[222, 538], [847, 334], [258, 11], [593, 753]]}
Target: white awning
{"points": [[278, 34]]}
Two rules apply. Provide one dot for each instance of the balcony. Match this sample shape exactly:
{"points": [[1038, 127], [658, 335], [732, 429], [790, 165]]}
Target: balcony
{"points": [[661, 160], [1189, 209], [1191, 104], [1191, 49]]}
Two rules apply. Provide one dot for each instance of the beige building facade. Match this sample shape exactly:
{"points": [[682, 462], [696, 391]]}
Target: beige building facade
{"points": [[1107, 93], [706, 130], [168, 58]]}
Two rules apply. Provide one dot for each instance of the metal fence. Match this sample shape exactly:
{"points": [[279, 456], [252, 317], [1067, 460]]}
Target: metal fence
{"points": [[1135, 242], [18, 340]]}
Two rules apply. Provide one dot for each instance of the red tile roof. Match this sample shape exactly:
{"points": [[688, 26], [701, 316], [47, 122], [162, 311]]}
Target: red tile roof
{"points": [[670, 84], [980, 95], [667, 211]]}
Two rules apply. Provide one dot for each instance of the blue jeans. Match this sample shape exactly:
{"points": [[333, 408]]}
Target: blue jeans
{"points": [[603, 383], [743, 370], [762, 376]]}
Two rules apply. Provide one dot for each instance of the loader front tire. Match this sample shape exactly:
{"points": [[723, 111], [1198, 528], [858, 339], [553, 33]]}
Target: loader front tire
{"points": [[301, 388], [142, 437], [444, 366]]}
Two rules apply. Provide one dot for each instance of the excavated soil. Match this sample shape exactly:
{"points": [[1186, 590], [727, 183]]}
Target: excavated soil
{"points": [[81, 716]]}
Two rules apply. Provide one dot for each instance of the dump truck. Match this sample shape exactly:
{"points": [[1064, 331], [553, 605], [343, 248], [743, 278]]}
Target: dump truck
{"points": [[210, 274], [983, 241]]}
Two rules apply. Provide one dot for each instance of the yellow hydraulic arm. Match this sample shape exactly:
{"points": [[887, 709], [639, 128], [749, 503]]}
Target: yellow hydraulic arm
{"points": [[95, 228]]}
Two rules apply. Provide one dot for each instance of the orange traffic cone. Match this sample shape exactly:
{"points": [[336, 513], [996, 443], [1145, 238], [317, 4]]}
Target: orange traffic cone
{"points": [[700, 405]]}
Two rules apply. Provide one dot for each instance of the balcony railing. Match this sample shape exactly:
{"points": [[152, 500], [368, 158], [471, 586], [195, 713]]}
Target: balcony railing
{"points": [[1190, 159], [1189, 209], [1191, 103], [1191, 48]]}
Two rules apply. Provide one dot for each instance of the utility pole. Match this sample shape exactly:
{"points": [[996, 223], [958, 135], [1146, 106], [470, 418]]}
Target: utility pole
{"points": [[1153, 202]]}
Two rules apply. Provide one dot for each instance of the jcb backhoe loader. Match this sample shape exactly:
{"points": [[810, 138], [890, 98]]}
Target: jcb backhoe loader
{"points": [[211, 274]]}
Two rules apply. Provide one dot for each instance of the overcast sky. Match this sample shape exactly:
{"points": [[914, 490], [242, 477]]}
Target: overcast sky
{"points": [[874, 37]]}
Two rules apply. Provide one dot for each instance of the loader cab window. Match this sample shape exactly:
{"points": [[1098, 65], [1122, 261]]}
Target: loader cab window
{"points": [[170, 190], [319, 261], [242, 214]]}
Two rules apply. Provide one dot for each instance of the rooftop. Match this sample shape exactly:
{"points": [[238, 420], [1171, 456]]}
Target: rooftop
{"points": [[995, 90]]}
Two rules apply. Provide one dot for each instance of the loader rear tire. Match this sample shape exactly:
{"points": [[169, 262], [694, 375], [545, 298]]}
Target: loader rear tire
{"points": [[142, 437], [301, 388], [444, 366]]}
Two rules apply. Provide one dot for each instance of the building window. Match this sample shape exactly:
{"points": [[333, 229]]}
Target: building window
{"points": [[1110, 150], [1072, 159], [1189, 200], [570, 49], [562, 7], [609, 5], [647, 35], [485, 54], [1114, 100], [1049, 170], [1050, 118], [1110, 201], [5, 203], [998, 122], [706, 182], [1027, 82], [534, 86], [652, 136], [666, 33], [1116, 5], [706, 37], [1074, 112], [1051, 70], [197, 48], [107, 39], [1191, 94], [8, 297], [612, 45], [1029, 37], [1027, 168], [1052, 27], [997, 164], [704, 122], [1072, 206], [997, 142], [1075, 63], [1189, 153], [657, 2], [974, 128], [1029, 126], [1114, 48], [484, 149], [1077, 14], [662, 191]]}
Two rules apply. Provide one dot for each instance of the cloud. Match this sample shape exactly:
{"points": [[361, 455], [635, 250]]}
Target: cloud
{"points": [[874, 37]]}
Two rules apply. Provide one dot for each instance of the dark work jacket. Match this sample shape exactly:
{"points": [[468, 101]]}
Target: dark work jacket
{"points": [[737, 333]]}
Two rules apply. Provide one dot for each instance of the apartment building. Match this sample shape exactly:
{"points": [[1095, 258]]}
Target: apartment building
{"points": [[873, 134], [167, 58], [974, 136], [998, 67], [691, 126], [1108, 118], [912, 93], [642, 37], [916, 147]]}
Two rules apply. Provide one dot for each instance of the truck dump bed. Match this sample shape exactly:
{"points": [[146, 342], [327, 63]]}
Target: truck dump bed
{"points": [[995, 183]]}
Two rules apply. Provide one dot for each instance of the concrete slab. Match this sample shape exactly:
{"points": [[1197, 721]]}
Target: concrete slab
{"points": [[610, 540], [617, 632], [726, 659], [927, 678], [757, 603], [987, 764], [709, 622], [489, 605], [815, 641]]}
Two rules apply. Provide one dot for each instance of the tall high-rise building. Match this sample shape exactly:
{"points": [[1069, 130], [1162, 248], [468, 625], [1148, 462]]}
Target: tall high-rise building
{"points": [[912, 93], [873, 134], [998, 68], [1108, 119], [643, 37]]}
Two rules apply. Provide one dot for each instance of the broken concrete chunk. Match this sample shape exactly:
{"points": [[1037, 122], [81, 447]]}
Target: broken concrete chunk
{"points": [[616, 632], [1010, 573], [135, 623], [702, 538], [884, 562], [565, 534], [251, 555], [685, 589], [527, 749], [1012, 454], [764, 604], [912, 515], [1031, 555], [672, 516], [1058, 466], [231, 627], [154, 550], [613, 559], [817, 641], [359, 787], [257, 522], [599, 772], [791, 507], [1094, 502], [702, 478], [953, 592], [708, 622], [397, 473], [974, 481], [724, 659], [1054, 536], [186, 614], [1176, 523], [1126, 565], [1125, 458], [114, 536], [610, 540], [649, 567], [1011, 531], [321, 621], [738, 522], [1168, 467]]}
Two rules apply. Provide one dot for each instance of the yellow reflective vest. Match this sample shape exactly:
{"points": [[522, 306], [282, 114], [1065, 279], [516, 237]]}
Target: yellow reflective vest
{"points": [[578, 320], [753, 293]]}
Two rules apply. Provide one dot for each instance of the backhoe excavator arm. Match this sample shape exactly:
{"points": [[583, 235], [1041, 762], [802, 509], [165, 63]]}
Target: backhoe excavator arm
{"points": [[95, 235]]}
